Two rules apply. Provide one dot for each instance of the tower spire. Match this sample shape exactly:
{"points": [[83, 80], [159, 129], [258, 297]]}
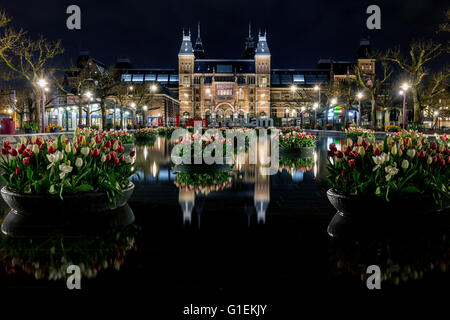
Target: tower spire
{"points": [[249, 29], [198, 31], [199, 51]]}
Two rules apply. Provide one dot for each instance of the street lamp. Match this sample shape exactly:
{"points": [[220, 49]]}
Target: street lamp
{"points": [[88, 95], [436, 114], [315, 106], [293, 88], [405, 88], [153, 88], [42, 83], [359, 95]]}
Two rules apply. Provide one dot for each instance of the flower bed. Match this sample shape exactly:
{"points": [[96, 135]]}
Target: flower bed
{"points": [[356, 132], [392, 128], [297, 142], [145, 134], [166, 131], [203, 183], [62, 167], [405, 164], [53, 128]]}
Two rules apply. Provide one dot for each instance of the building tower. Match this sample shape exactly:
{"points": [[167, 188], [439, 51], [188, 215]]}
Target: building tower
{"points": [[262, 70], [185, 70], [364, 57], [249, 51], [199, 51]]}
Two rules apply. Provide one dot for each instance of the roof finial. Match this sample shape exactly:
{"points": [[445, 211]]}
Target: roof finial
{"points": [[265, 32], [249, 29], [183, 32], [259, 32], [189, 32], [198, 31]]}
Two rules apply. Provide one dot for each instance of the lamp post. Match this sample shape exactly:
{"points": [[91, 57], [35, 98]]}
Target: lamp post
{"points": [[405, 87], [316, 105], [301, 111], [359, 95], [436, 114], [153, 89], [316, 88], [88, 94], [42, 83]]}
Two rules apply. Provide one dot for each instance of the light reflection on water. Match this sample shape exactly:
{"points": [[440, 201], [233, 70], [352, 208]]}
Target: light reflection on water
{"points": [[155, 169]]}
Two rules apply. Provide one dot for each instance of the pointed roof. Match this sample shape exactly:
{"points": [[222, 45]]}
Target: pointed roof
{"points": [[199, 51], [249, 51], [262, 48], [186, 45], [364, 50]]}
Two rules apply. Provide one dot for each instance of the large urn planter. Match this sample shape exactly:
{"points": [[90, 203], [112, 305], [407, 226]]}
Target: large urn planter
{"points": [[47, 211], [128, 147], [305, 152], [359, 216], [203, 167]]}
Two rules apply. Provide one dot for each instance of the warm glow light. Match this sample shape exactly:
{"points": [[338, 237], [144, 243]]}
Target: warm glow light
{"points": [[316, 105], [133, 104], [10, 111], [436, 113], [263, 95], [401, 92], [333, 101], [186, 95], [293, 88], [405, 87], [145, 108], [88, 94], [153, 87], [316, 88], [46, 89], [303, 109], [131, 88], [208, 90], [359, 95], [42, 83]]}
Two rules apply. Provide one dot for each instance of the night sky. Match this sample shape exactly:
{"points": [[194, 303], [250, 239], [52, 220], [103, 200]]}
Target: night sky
{"points": [[299, 32]]}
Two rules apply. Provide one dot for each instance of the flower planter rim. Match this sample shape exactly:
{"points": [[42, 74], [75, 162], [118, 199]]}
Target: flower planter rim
{"points": [[6, 190], [335, 193]]}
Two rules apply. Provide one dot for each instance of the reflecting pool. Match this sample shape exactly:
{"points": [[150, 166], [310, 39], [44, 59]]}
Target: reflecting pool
{"points": [[227, 235]]}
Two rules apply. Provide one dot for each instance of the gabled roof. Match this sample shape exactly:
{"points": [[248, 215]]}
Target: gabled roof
{"points": [[186, 45]]}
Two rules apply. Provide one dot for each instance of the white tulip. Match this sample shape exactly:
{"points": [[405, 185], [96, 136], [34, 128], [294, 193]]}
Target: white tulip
{"points": [[78, 162]]}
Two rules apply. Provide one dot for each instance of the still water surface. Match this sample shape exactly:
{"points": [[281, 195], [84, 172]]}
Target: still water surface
{"points": [[246, 235]]}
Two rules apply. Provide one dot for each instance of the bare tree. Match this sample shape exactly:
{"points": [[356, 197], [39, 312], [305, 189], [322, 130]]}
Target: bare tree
{"points": [[373, 84], [345, 88], [414, 65]]}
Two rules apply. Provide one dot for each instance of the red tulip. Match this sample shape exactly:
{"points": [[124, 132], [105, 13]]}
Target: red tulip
{"points": [[108, 144], [435, 159], [13, 152], [122, 158], [120, 150], [343, 172], [95, 152], [22, 148], [132, 153], [443, 162], [17, 171], [434, 146], [339, 154], [377, 152], [26, 161], [333, 147], [51, 149], [352, 163], [108, 157], [116, 161], [4, 151]]}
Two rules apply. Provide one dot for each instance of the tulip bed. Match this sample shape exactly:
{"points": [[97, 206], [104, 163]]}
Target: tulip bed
{"points": [[296, 140], [119, 135], [403, 164], [203, 140], [203, 183], [87, 163], [356, 132], [166, 131], [145, 134]]}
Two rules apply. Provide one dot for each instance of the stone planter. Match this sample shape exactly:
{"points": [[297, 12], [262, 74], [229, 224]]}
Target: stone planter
{"points": [[47, 209], [30, 131], [128, 147], [357, 216], [307, 152]]}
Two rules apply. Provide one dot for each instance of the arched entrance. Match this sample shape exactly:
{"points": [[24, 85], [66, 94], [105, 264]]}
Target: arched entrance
{"points": [[224, 110]]}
